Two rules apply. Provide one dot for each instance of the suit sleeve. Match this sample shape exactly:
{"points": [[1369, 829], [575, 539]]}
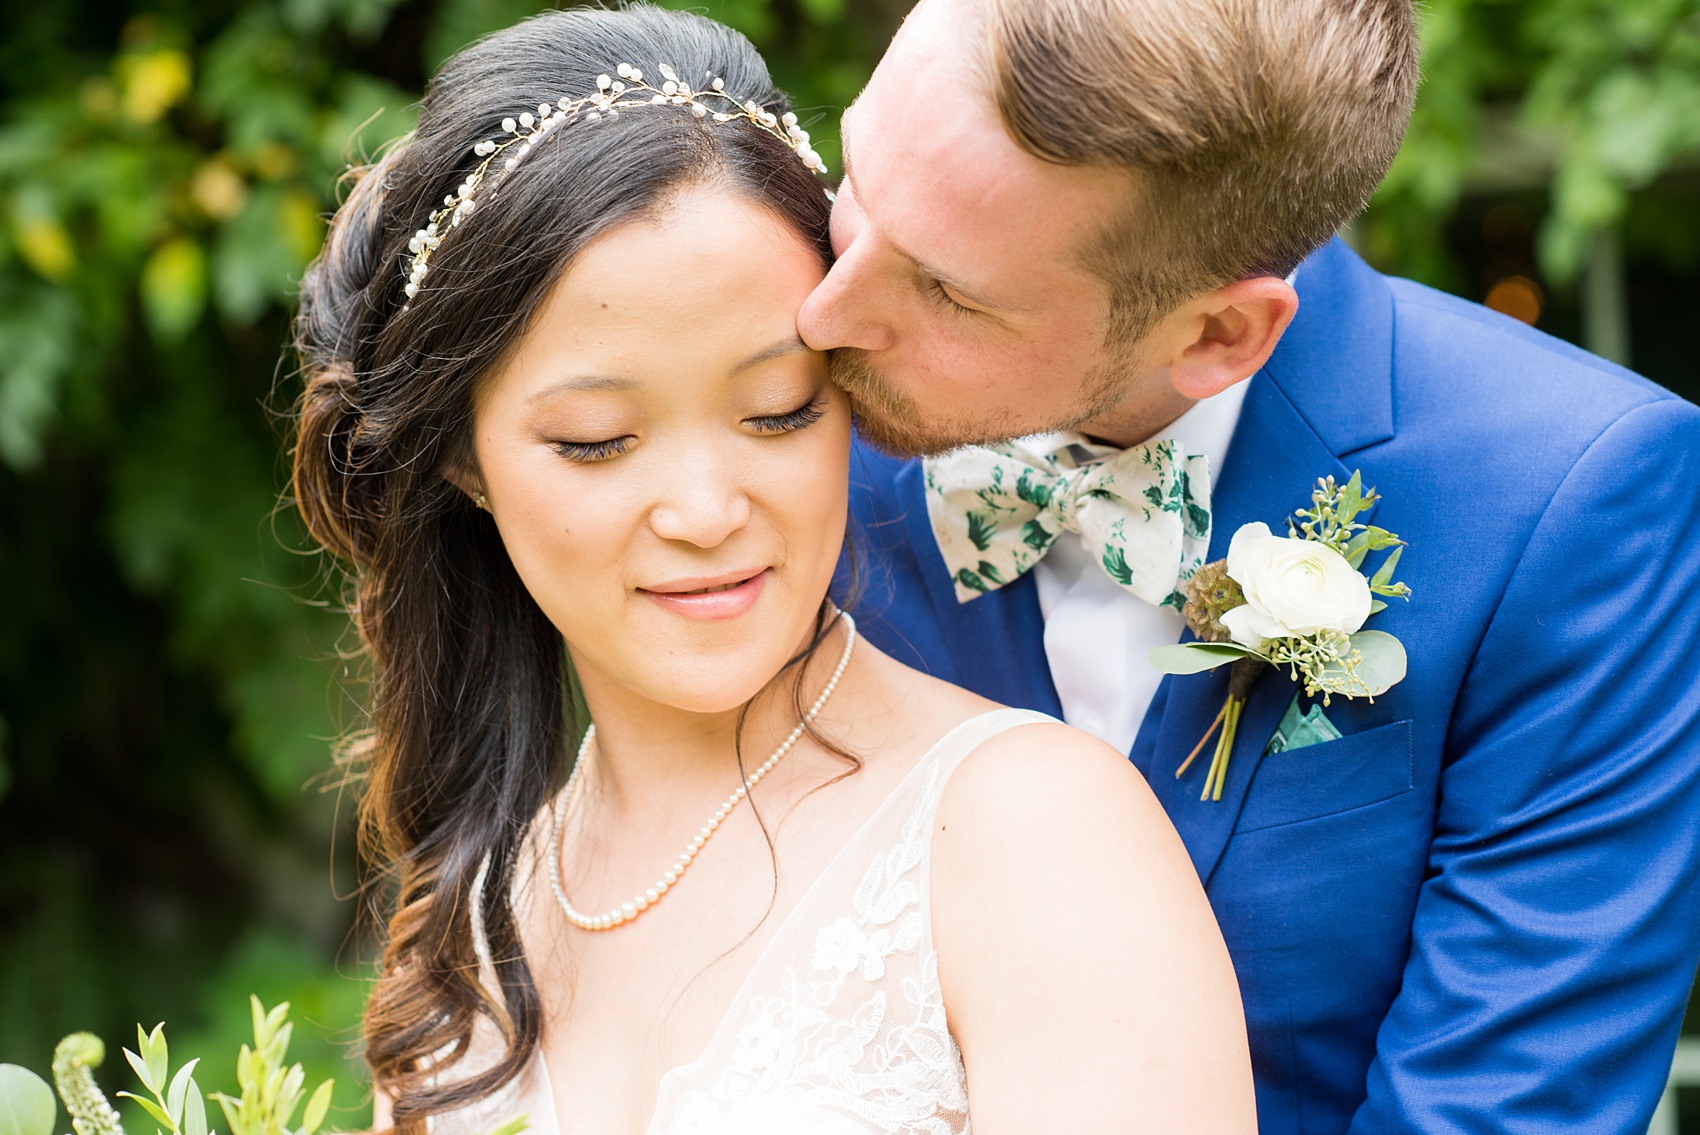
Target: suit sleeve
{"points": [[1558, 927]]}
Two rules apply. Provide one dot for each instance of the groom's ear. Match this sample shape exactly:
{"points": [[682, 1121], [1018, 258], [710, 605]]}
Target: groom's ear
{"points": [[1229, 333]]}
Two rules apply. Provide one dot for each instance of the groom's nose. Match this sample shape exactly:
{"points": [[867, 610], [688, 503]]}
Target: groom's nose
{"points": [[845, 309]]}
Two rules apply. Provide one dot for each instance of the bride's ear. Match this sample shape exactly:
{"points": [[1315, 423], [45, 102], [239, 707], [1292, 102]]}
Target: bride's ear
{"points": [[1234, 330], [467, 481]]}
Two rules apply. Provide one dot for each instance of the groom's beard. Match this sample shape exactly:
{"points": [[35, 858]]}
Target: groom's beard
{"points": [[887, 418], [890, 420]]}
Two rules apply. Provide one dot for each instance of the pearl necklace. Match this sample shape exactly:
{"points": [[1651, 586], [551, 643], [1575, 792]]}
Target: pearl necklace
{"points": [[627, 911]]}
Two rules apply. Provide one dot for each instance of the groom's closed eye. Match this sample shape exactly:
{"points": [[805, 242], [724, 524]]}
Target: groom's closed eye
{"points": [[940, 291]]}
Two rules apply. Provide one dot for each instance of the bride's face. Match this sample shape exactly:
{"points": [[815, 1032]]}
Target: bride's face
{"points": [[664, 458]]}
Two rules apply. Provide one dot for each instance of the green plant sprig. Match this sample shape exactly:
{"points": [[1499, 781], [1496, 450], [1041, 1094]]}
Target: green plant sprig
{"points": [[1332, 520], [270, 1091], [177, 1104]]}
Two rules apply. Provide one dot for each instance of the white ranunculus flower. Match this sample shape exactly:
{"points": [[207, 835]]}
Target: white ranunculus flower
{"points": [[1292, 588]]}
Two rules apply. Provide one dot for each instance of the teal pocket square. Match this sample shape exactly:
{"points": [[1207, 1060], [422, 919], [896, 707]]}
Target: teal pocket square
{"points": [[1299, 728]]}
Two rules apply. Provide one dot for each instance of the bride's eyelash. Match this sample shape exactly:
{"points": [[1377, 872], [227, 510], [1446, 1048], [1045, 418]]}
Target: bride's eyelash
{"points": [[589, 451], [798, 419]]}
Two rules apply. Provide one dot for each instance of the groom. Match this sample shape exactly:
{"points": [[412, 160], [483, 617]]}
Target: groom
{"points": [[1472, 904]]}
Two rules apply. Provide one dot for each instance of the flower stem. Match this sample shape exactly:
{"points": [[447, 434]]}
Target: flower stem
{"points": [[1218, 774], [1202, 741]]}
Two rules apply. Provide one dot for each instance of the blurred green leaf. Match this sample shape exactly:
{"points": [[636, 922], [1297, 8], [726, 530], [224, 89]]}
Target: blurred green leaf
{"points": [[27, 1106], [174, 288]]}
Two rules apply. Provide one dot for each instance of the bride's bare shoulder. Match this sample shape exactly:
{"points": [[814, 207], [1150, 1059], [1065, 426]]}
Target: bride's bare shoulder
{"points": [[1057, 876], [1046, 780]]}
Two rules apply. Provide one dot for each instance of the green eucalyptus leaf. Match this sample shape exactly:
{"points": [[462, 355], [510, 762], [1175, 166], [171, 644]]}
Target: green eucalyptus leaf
{"points": [[280, 1039], [194, 1111], [179, 1087], [275, 1019], [513, 1126], [1196, 657], [1384, 577], [1383, 664], [159, 1064], [1351, 498], [317, 1106], [1376, 606], [139, 1065], [232, 1113], [289, 1093], [152, 1109], [27, 1106], [261, 1032]]}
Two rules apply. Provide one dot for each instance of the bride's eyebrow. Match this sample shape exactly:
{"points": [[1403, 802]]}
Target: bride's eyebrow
{"points": [[777, 349], [580, 382]]}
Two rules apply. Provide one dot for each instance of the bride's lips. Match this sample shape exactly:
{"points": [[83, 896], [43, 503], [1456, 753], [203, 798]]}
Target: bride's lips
{"points": [[718, 597]]}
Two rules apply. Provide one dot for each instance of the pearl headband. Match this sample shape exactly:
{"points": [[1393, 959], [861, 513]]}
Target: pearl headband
{"points": [[612, 95]]}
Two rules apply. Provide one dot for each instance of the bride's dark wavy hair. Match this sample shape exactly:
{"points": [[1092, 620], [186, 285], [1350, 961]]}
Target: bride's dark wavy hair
{"points": [[467, 714]]}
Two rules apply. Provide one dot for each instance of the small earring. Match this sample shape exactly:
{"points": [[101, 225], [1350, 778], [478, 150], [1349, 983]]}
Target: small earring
{"points": [[481, 501]]}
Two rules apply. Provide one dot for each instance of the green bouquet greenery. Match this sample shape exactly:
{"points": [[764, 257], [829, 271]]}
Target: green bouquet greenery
{"points": [[270, 1091]]}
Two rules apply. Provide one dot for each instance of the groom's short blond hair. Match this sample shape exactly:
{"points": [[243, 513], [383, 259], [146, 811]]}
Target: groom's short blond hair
{"points": [[1254, 128]]}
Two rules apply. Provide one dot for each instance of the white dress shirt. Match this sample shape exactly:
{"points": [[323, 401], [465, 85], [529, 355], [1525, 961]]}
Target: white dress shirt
{"points": [[1098, 636]]}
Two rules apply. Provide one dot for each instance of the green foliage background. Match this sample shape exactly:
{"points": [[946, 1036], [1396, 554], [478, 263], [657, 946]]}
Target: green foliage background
{"points": [[171, 837]]}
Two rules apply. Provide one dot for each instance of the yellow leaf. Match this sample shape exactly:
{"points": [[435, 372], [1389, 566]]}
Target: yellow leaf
{"points": [[218, 189], [303, 229], [46, 246], [153, 83]]}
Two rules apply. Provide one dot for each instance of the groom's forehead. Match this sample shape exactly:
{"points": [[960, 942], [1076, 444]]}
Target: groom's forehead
{"points": [[931, 163]]}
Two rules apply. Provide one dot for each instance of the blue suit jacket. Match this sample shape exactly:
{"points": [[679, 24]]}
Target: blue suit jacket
{"points": [[1477, 911]]}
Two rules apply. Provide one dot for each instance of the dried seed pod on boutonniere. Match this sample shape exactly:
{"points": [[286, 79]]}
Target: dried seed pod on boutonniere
{"points": [[1297, 601]]}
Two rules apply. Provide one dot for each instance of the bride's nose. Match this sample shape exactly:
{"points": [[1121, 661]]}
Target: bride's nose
{"points": [[704, 502]]}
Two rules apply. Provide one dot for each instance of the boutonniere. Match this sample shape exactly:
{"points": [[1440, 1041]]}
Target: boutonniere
{"points": [[1297, 601]]}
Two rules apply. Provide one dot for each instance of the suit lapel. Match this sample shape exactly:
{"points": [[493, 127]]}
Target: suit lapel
{"points": [[997, 641], [1322, 394]]}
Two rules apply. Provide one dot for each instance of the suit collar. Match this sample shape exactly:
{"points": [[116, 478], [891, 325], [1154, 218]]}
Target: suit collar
{"points": [[1335, 362]]}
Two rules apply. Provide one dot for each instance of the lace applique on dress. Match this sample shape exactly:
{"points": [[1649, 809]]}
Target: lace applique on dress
{"points": [[841, 1027]]}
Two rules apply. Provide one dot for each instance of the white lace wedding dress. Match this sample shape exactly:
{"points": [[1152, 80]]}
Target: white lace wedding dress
{"points": [[839, 1029]]}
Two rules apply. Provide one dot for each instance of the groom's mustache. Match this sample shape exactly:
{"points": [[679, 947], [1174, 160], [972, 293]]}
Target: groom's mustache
{"points": [[885, 418], [889, 419]]}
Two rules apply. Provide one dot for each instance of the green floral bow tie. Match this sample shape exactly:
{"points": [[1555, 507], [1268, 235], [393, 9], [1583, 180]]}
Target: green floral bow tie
{"points": [[1144, 513]]}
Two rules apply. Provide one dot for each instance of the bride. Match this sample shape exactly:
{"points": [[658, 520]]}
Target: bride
{"points": [[591, 484]]}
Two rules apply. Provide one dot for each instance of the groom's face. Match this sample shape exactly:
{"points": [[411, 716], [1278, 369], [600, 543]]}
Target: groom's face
{"points": [[960, 308]]}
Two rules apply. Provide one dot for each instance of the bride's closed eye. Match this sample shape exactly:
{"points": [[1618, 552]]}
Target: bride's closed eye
{"points": [[802, 417], [590, 451]]}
